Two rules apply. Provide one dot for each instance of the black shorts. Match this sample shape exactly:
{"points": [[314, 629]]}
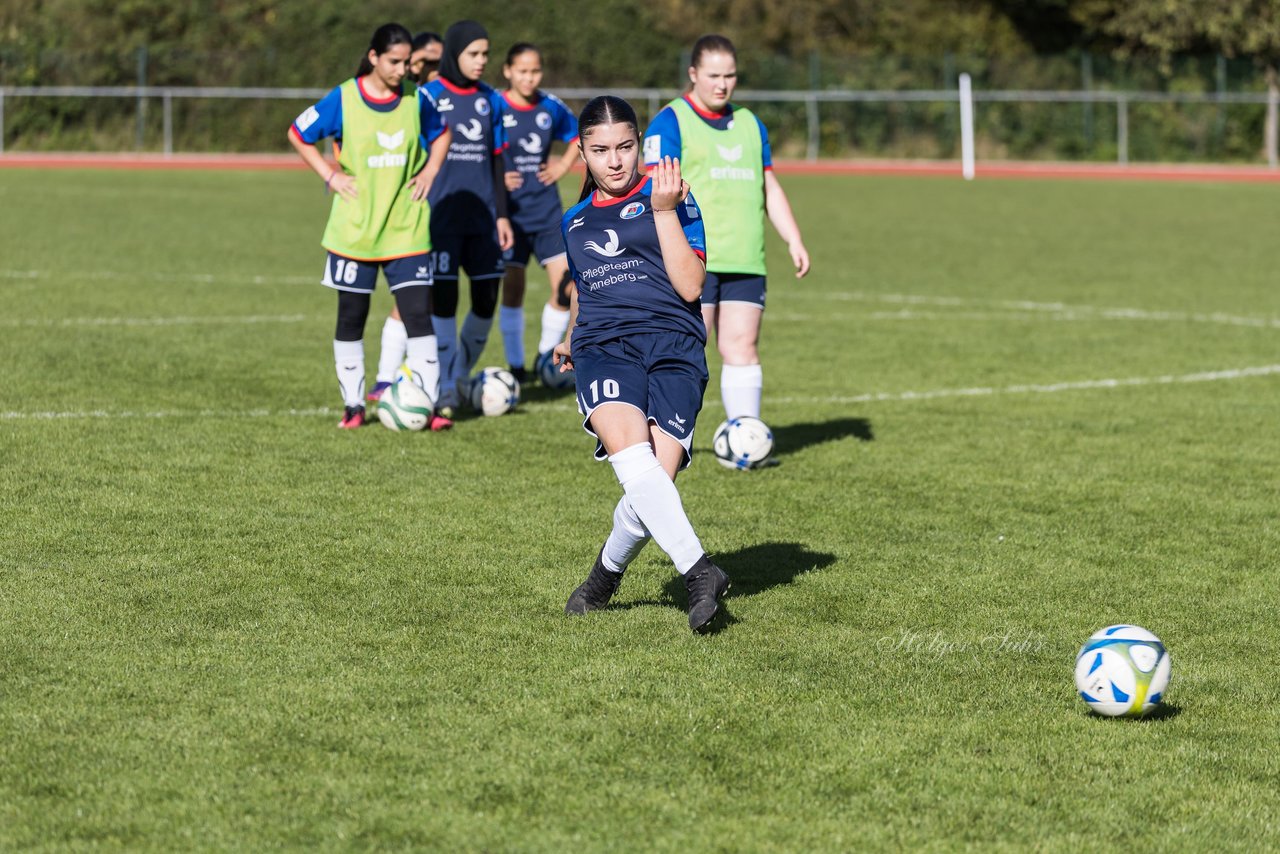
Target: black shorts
{"points": [[734, 287], [476, 254], [546, 245], [350, 274]]}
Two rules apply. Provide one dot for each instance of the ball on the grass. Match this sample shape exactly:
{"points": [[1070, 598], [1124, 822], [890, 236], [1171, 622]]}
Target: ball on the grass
{"points": [[742, 443], [404, 406], [549, 372], [1123, 671], [494, 391]]}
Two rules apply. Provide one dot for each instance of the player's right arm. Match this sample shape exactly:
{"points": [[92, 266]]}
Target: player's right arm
{"points": [[323, 119]]}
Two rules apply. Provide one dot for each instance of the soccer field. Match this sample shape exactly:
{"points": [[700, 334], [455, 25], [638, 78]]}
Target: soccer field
{"points": [[1008, 413]]}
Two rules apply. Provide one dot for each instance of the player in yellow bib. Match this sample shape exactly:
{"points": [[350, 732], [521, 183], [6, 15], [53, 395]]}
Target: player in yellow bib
{"points": [[724, 155], [379, 215]]}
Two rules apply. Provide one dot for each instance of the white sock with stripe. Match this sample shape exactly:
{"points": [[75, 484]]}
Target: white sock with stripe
{"points": [[348, 358], [554, 325], [424, 362]]}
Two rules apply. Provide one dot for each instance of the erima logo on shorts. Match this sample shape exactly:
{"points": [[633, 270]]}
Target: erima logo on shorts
{"points": [[632, 211], [678, 423], [472, 130], [610, 248]]}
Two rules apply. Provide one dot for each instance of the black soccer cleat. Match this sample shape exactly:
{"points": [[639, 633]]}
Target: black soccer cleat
{"points": [[594, 593], [521, 373], [707, 584]]}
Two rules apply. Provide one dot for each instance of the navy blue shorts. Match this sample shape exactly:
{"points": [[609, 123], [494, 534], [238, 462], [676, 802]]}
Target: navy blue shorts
{"points": [[477, 254], [663, 375], [348, 274], [546, 245], [733, 287]]}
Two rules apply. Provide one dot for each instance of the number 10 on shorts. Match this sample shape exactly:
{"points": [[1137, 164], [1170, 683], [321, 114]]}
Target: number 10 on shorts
{"points": [[607, 388]]}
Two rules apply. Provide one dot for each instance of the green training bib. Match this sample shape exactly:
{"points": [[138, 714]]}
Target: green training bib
{"points": [[382, 151]]}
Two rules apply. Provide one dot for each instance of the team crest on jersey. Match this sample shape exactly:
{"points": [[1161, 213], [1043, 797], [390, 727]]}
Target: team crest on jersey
{"points": [[444, 105], [543, 121], [482, 106], [632, 210], [611, 249]]}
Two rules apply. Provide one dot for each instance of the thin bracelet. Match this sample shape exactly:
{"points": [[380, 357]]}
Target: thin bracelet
{"points": [[330, 178]]}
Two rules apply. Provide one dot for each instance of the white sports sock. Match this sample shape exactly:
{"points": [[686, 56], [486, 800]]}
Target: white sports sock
{"points": [[348, 357], [424, 364], [511, 322], [627, 538], [447, 347], [555, 324], [740, 389], [653, 496], [393, 350], [471, 341]]}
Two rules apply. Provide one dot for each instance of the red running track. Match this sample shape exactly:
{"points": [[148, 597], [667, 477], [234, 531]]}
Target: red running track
{"points": [[950, 169]]}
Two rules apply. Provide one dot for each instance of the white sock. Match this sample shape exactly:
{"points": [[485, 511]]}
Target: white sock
{"points": [[348, 357], [393, 350], [424, 364], [447, 347], [653, 496], [740, 389], [471, 341], [511, 322], [627, 538], [555, 324]]}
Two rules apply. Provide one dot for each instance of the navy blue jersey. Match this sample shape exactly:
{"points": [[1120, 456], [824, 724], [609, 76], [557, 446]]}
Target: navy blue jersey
{"points": [[462, 195], [615, 258], [531, 130]]}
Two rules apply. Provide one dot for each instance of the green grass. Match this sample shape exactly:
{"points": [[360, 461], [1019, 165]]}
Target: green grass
{"points": [[226, 624]]}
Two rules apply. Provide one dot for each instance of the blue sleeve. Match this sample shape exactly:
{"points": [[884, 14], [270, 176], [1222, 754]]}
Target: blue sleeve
{"points": [[323, 119], [565, 125], [662, 139], [432, 125], [691, 222], [498, 109], [766, 153]]}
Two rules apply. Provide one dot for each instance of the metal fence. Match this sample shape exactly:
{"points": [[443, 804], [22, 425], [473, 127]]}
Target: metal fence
{"points": [[813, 102]]}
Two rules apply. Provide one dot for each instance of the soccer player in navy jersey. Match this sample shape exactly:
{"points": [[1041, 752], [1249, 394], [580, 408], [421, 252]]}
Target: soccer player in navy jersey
{"points": [[378, 218], [636, 250], [535, 119], [725, 152]]}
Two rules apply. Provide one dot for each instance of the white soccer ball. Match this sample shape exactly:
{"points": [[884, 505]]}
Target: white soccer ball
{"points": [[1123, 671], [549, 372], [494, 391], [742, 443], [404, 406]]}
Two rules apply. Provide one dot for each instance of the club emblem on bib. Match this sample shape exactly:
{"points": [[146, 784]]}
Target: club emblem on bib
{"points": [[632, 211]]}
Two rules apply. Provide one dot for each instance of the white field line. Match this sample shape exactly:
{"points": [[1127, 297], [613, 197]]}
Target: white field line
{"points": [[1064, 310], [197, 278], [877, 397], [64, 322]]}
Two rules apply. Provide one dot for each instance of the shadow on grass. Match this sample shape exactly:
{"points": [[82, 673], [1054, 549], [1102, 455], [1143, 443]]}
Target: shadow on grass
{"points": [[796, 437], [752, 570], [1163, 712]]}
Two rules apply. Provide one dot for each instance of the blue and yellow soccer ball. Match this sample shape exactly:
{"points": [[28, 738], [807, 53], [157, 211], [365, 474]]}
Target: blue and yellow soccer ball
{"points": [[1123, 671]]}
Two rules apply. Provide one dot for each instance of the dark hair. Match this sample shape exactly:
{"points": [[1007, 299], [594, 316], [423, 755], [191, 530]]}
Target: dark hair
{"points": [[519, 48], [422, 40], [384, 38], [711, 43], [604, 110]]}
